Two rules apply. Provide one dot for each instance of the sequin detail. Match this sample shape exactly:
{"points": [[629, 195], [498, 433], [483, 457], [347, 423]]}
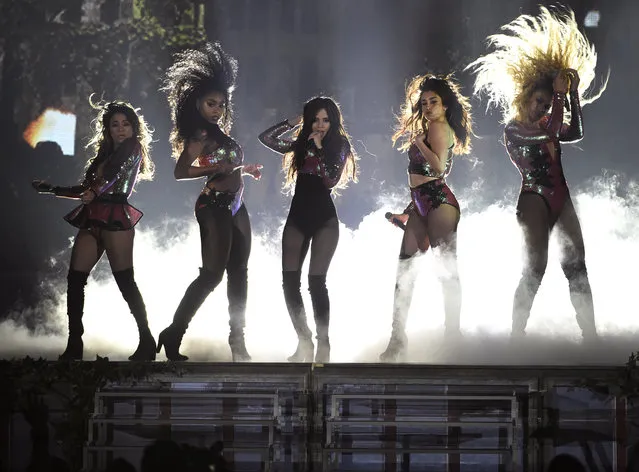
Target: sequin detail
{"points": [[530, 151]]}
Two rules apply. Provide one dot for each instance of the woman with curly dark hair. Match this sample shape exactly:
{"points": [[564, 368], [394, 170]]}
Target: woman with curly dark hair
{"points": [[200, 86], [317, 160], [105, 219], [434, 124], [532, 70]]}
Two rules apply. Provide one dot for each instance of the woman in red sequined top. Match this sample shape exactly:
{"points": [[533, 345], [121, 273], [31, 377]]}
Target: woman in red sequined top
{"points": [[532, 70], [199, 85], [434, 124], [106, 220], [319, 159]]}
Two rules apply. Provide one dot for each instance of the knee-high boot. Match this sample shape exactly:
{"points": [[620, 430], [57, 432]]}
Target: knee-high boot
{"points": [[129, 289], [291, 283], [76, 282], [171, 336], [322, 314]]}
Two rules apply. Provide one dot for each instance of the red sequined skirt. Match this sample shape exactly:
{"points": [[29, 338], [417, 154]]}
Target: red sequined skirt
{"points": [[111, 214]]}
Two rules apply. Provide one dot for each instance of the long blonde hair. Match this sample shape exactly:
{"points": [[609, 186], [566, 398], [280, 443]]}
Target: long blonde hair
{"points": [[528, 55]]}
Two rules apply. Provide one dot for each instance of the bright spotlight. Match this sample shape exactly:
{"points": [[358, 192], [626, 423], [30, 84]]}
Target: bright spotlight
{"points": [[53, 125], [592, 19]]}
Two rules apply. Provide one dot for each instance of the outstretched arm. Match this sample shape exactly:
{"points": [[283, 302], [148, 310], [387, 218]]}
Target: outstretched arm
{"points": [[73, 192]]}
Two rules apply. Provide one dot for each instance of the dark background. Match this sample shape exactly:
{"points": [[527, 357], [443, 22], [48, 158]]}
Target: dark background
{"points": [[362, 52]]}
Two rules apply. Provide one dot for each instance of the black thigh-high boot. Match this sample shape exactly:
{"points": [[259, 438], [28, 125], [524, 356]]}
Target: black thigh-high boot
{"points": [[200, 288], [581, 298], [291, 283], [322, 312], [237, 291], [129, 289], [76, 281], [404, 285]]}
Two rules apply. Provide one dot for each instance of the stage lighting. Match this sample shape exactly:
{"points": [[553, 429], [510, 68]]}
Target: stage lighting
{"points": [[53, 125], [592, 19]]}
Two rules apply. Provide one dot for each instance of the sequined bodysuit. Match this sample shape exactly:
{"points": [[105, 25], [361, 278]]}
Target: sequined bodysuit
{"points": [[230, 152], [312, 204], [531, 152], [432, 194]]}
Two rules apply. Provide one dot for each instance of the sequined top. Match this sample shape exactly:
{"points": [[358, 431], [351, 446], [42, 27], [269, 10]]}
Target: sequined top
{"points": [[114, 176], [418, 164], [229, 152], [529, 149], [316, 162]]}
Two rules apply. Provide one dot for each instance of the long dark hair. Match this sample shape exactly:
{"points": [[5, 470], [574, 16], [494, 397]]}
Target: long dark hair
{"points": [[332, 142], [101, 141], [411, 121], [195, 73]]}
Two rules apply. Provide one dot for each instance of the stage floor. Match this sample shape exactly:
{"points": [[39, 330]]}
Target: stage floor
{"points": [[290, 417]]}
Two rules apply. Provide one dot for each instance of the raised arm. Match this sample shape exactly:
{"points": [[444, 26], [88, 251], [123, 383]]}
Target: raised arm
{"points": [[229, 157], [519, 135], [271, 138], [575, 130]]}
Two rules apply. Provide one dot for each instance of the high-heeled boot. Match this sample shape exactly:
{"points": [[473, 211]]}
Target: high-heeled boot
{"points": [[291, 283], [237, 290], [76, 282], [129, 289], [322, 314], [404, 285], [171, 337]]}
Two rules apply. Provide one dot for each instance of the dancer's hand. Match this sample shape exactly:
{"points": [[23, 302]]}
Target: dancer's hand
{"points": [[420, 139], [42, 187], [402, 217], [87, 196], [253, 170], [561, 82], [295, 121], [317, 137], [574, 79]]}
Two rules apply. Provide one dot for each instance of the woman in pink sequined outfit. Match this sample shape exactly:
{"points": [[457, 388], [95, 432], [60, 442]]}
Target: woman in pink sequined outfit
{"points": [[434, 125], [106, 220], [319, 159], [544, 64]]}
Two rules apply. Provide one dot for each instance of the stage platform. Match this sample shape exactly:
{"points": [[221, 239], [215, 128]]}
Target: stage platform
{"points": [[367, 417]]}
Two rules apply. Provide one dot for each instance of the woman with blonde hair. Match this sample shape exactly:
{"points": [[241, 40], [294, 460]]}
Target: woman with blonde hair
{"points": [[541, 64]]}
